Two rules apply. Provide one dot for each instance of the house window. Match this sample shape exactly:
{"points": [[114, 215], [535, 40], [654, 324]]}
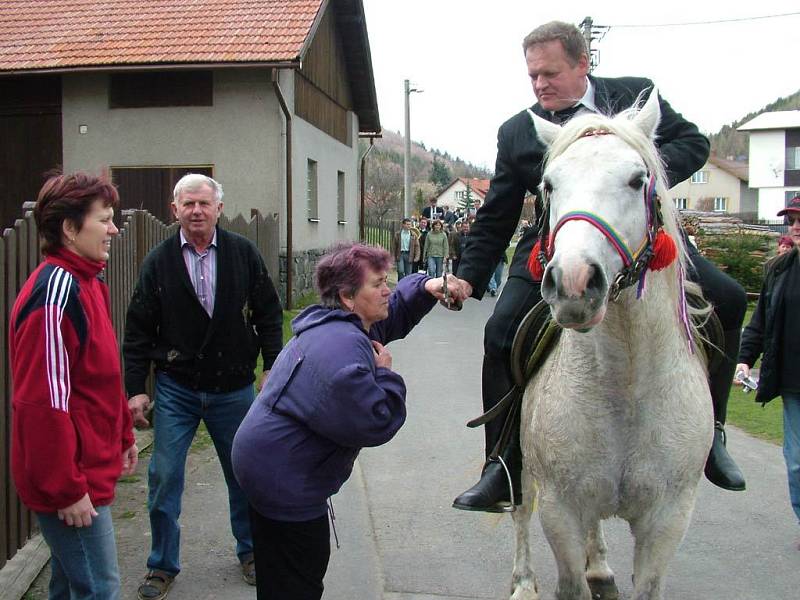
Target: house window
{"points": [[700, 177], [312, 203], [681, 203], [161, 88], [720, 204], [458, 195], [793, 158], [340, 197], [151, 188]]}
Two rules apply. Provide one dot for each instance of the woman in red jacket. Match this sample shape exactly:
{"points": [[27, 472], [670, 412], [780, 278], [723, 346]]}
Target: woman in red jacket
{"points": [[72, 432]]}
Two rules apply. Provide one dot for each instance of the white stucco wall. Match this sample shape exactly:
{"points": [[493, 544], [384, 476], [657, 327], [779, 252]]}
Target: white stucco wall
{"points": [[331, 157], [767, 158], [240, 135], [770, 201]]}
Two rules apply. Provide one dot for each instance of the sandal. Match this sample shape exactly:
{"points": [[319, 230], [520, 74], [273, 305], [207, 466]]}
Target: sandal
{"points": [[155, 586]]}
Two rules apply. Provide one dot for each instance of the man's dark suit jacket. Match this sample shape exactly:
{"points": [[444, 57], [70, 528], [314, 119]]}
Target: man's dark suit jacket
{"points": [[519, 170]]}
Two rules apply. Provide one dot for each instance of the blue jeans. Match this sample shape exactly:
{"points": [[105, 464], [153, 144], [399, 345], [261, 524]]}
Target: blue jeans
{"points": [[435, 266], [84, 559], [178, 411], [791, 447], [404, 265], [497, 277]]}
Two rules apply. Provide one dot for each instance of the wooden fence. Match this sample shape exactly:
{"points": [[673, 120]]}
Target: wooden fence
{"points": [[19, 256], [379, 232]]}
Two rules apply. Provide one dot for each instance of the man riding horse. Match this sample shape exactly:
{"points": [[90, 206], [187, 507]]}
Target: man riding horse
{"points": [[558, 65]]}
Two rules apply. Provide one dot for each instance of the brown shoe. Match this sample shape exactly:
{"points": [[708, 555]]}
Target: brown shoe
{"points": [[155, 586], [249, 570]]}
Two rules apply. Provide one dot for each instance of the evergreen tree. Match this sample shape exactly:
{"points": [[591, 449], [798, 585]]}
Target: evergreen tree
{"points": [[440, 174], [466, 202]]}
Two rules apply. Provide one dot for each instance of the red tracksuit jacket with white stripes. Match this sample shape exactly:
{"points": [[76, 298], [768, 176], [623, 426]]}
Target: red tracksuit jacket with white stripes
{"points": [[70, 416]]}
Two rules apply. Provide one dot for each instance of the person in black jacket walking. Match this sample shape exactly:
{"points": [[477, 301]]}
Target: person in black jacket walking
{"points": [[203, 309], [774, 334], [558, 66]]}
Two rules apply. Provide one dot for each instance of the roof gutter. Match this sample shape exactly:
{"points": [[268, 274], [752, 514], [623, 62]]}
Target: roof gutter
{"points": [[291, 64], [362, 213], [289, 245]]}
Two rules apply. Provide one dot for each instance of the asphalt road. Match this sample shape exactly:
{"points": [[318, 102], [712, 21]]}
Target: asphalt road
{"points": [[401, 540]]}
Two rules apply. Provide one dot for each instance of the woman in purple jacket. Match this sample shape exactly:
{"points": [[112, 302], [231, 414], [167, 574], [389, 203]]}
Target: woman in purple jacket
{"points": [[330, 392]]}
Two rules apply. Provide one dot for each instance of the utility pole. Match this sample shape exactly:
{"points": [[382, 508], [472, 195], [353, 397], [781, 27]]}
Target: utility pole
{"points": [[592, 32], [407, 155]]}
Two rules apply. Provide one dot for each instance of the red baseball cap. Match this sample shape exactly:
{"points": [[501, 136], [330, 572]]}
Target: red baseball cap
{"points": [[793, 206]]}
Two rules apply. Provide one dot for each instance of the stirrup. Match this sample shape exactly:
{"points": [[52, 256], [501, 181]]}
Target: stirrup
{"points": [[511, 507]]}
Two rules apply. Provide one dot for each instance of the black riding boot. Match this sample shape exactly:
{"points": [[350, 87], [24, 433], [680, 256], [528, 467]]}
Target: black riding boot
{"points": [[720, 469], [491, 493]]}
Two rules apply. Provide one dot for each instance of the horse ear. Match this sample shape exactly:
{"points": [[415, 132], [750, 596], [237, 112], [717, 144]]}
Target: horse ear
{"points": [[649, 115], [545, 130]]}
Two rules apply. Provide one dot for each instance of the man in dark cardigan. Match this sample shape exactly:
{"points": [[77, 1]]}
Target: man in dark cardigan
{"points": [[558, 66], [203, 309]]}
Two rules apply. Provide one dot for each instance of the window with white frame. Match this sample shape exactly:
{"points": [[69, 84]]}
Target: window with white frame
{"points": [[792, 158], [312, 200], [340, 198], [681, 203], [720, 204], [458, 195], [700, 177]]}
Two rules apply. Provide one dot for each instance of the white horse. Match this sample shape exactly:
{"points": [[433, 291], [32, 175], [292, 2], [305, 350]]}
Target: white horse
{"points": [[618, 421]]}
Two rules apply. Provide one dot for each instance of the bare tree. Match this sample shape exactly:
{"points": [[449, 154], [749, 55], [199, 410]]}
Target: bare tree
{"points": [[384, 189]]}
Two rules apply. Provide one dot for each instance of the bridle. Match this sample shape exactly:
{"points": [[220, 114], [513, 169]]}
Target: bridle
{"points": [[634, 262]]}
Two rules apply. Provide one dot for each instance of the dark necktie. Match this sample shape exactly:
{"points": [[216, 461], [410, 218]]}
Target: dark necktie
{"points": [[562, 116]]}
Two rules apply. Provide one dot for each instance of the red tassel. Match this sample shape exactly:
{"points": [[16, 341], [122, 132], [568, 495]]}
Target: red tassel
{"points": [[665, 251], [534, 266]]}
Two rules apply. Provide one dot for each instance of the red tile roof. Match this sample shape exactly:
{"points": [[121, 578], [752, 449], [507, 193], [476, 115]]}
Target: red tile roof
{"points": [[58, 34], [480, 186]]}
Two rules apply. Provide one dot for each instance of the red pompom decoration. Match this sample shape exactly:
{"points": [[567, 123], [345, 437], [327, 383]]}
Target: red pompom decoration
{"points": [[665, 251], [534, 266]]}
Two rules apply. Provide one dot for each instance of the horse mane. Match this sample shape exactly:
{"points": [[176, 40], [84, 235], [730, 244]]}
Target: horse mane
{"points": [[623, 126]]}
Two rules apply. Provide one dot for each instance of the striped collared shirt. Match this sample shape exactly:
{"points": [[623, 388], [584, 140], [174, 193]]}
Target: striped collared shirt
{"points": [[202, 268]]}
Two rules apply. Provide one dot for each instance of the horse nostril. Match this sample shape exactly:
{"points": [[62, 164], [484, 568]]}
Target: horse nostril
{"points": [[597, 279], [551, 281]]}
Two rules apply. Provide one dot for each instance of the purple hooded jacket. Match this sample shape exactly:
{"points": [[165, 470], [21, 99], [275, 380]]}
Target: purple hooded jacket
{"points": [[323, 401]]}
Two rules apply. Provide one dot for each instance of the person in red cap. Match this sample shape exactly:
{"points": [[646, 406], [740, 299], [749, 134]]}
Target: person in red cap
{"points": [[774, 334]]}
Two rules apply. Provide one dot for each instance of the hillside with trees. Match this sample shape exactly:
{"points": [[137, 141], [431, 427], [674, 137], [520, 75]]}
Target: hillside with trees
{"points": [[431, 170], [733, 145]]}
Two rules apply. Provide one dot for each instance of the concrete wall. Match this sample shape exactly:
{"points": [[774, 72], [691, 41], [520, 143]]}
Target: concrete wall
{"points": [[767, 158], [240, 135]]}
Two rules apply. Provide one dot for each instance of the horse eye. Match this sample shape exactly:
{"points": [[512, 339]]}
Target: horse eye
{"points": [[636, 182]]}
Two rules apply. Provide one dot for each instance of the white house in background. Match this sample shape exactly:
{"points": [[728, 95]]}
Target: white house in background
{"points": [[720, 186], [453, 195], [774, 159]]}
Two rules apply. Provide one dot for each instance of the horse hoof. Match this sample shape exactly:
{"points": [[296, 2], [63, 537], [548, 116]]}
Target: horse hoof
{"points": [[603, 589]]}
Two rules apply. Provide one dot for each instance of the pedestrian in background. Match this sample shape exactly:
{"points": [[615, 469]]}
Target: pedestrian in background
{"points": [[405, 248], [437, 248], [774, 335], [203, 309], [331, 392], [72, 434]]}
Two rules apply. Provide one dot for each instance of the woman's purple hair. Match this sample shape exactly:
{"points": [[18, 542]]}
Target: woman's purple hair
{"points": [[344, 268]]}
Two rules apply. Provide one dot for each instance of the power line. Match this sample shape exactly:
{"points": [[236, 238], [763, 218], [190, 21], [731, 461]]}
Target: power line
{"points": [[650, 25]]}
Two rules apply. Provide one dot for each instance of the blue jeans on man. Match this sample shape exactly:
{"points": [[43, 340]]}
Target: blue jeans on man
{"points": [[84, 559], [496, 280], [177, 413], [791, 447], [404, 264]]}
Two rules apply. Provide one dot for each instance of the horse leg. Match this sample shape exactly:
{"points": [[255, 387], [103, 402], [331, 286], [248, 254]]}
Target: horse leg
{"points": [[523, 579], [567, 536], [599, 575], [657, 534]]}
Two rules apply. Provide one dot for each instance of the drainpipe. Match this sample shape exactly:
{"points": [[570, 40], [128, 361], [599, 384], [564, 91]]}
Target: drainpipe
{"points": [[288, 116], [362, 229]]}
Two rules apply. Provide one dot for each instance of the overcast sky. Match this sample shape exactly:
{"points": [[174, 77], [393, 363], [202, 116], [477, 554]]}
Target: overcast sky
{"points": [[467, 57]]}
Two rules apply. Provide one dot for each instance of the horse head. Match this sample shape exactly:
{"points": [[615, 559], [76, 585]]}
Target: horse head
{"points": [[599, 187]]}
